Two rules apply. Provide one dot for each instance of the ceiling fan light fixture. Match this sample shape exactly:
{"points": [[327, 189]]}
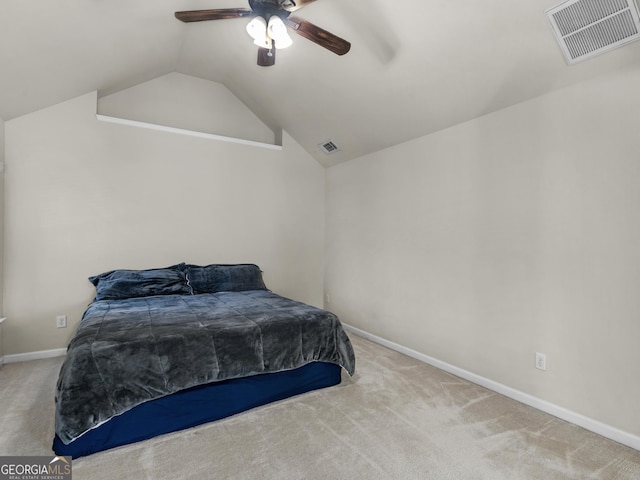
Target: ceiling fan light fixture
{"points": [[270, 21], [257, 28], [277, 30]]}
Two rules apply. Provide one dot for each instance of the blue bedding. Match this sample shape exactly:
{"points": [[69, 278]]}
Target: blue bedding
{"points": [[131, 351]]}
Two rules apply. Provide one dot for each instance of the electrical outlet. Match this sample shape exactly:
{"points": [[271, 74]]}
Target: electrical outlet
{"points": [[541, 361], [61, 321]]}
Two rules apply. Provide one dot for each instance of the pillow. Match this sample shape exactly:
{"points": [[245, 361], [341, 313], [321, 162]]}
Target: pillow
{"points": [[224, 278], [121, 284]]}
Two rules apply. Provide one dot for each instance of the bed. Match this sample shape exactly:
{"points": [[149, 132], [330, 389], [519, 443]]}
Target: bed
{"points": [[166, 349]]}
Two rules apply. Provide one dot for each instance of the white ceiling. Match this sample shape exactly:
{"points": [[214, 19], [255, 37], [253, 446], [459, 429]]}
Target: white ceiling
{"points": [[415, 66]]}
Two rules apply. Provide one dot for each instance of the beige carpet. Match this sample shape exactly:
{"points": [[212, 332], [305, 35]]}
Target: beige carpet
{"points": [[396, 419]]}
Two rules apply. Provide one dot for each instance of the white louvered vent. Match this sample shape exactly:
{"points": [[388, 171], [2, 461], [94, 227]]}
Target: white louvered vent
{"points": [[586, 28], [329, 147]]}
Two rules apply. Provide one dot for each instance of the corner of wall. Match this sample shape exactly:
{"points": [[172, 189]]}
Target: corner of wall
{"points": [[93, 172]]}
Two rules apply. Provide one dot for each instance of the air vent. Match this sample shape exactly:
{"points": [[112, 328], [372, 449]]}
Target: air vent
{"points": [[329, 147], [586, 28]]}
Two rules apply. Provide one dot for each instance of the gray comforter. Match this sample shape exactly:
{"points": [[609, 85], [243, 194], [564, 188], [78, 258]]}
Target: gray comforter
{"points": [[127, 352]]}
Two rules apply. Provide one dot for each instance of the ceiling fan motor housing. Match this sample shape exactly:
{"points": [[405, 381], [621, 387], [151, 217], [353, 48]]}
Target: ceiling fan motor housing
{"points": [[268, 8]]}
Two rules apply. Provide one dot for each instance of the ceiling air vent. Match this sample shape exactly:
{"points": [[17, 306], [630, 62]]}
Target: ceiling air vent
{"points": [[329, 147], [586, 28]]}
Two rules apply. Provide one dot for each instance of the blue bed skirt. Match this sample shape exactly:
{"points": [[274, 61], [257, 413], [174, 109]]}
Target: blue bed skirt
{"points": [[199, 405]]}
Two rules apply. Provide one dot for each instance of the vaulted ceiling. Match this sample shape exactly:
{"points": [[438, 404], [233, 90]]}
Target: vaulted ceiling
{"points": [[415, 66]]}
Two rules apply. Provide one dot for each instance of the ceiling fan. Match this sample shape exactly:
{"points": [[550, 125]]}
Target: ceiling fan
{"points": [[269, 25]]}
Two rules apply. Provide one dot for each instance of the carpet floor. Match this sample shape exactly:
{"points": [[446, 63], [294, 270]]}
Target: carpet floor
{"points": [[397, 418]]}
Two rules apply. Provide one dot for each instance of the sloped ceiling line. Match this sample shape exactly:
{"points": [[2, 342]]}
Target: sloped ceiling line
{"points": [[411, 71]]}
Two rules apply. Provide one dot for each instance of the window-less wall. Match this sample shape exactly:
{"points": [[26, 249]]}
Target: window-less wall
{"points": [[1, 213], [84, 196], [508, 235]]}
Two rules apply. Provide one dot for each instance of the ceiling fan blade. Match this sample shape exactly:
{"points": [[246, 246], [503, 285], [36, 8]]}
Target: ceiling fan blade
{"points": [[266, 57], [293, 5], [318, 35], [214, 14]]}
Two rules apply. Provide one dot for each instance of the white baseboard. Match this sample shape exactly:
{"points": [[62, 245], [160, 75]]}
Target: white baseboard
{"points": [[595, 426], [25, 357], [600, 428]]}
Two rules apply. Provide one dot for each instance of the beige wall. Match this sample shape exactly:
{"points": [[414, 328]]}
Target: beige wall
{"points": [[1, 212], [84, 196], [512, 234], [182, 101]]}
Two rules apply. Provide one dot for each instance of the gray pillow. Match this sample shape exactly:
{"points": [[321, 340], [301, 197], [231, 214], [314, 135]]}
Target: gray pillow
{"points": [[122, 284], [224, 278]]}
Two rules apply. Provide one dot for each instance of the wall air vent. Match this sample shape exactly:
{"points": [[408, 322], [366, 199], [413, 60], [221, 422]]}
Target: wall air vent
{"points": [[586, 28], [329, 147]]}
